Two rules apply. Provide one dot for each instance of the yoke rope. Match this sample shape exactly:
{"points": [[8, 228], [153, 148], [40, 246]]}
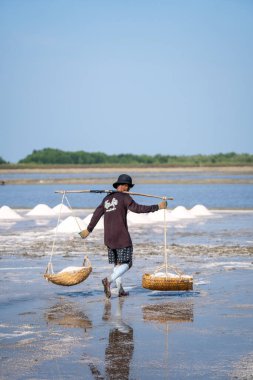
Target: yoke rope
{"points": [[165, 242], [166, 265], [71, 209], [50, 265]]}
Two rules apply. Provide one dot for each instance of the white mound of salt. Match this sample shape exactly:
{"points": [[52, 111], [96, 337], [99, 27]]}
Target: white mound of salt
{"points": [[171, 275], [70, 225], [41, 210], [63, 209], [7, 213], [133, 218], [100, 224], [162, 274], [158, 216], [180, 212], [200, 210], [70, 269]]}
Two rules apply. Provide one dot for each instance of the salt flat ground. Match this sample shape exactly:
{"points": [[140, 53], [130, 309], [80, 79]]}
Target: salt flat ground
{"points": [[49, 331]]}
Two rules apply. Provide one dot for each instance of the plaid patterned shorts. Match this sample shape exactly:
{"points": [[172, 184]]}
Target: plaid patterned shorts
{"points": [[120, 255]]}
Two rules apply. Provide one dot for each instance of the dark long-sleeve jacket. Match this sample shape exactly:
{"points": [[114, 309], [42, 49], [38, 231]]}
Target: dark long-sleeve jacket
{"points": [[114, 207]]}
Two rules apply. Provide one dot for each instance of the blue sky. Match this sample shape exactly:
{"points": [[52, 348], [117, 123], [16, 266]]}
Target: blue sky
{"points": [[146, 77]]}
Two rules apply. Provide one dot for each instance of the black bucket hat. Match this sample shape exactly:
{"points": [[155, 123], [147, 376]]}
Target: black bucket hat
{"points": [[122, 180]]}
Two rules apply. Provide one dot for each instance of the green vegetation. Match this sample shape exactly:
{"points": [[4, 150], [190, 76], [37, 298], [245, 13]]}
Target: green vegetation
{"points": [[49, 156], [2, 161]]}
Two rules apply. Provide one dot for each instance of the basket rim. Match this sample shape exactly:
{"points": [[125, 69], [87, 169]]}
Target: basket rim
{"points": [[166, 277], [68, 274]]}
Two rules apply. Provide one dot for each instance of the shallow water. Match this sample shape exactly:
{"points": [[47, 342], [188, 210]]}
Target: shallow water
{"points": [[52, 332], [158, 175], [214, 196], [48, 331]]}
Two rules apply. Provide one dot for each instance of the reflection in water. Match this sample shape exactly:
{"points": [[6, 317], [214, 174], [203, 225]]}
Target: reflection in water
{"points": [[169, 312], [66, 314], [120, 347], [119, 350], [165, 314]]}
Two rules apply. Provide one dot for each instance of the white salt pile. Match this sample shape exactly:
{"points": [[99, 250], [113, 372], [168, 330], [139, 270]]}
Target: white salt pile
{"points": [[180, 212], [41, 210], [6, 213], [133, 218], [61, 208], [70, 269], [171, 275], [100, 224], [158, 216], [71, 224], [200, 210]]}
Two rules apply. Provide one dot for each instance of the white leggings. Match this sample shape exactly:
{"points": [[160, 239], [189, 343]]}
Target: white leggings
{"points": [[118, 271]]}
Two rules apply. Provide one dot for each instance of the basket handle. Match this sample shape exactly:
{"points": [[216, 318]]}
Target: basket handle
{"points": [[49, 268], [86, 262]]}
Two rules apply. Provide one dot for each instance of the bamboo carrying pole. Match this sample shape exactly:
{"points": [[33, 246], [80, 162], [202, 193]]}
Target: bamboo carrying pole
{"points": [[112, 191]]}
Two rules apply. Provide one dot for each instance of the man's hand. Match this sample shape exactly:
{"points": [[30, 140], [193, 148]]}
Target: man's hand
{"points": [[162, 205], [84, 234]]}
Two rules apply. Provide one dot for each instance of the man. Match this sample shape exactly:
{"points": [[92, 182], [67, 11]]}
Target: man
{"points": [[114, 207]]}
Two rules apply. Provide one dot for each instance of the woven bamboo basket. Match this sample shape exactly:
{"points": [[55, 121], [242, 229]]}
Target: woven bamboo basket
{"points": [[167, 283], [69, 277]]}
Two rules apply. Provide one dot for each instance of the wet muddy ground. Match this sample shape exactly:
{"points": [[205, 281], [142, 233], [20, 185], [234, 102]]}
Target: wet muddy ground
{"points": [[52, 332]]}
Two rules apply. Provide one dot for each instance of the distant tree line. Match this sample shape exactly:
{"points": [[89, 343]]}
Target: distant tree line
{"points": [[49, 156], [2, 161]]}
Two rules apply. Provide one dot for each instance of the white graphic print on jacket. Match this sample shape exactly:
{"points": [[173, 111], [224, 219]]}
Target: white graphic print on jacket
{"points": [[111, 206]]}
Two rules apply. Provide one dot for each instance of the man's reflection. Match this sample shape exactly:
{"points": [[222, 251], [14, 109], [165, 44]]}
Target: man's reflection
{"points": [[119, 351]]}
